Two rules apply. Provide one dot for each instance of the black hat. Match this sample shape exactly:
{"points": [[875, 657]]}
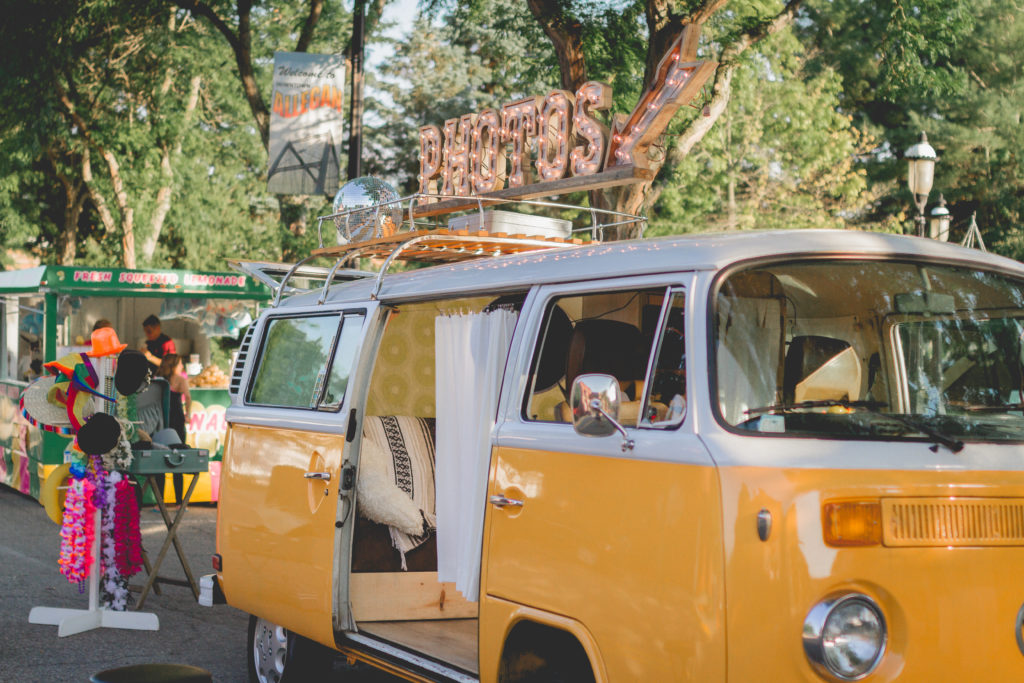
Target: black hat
{"points": [[132, 370], [99, 434]]}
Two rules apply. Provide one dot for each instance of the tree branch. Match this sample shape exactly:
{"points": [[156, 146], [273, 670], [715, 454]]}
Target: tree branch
{"points": [[306, 37], [241, 45]]}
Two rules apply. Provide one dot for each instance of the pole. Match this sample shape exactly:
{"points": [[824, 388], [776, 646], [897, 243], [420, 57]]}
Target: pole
{"points": [[355, 112]]}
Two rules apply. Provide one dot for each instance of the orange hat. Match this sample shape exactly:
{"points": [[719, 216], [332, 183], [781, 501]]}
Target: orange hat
{"points": [[105, 343]]}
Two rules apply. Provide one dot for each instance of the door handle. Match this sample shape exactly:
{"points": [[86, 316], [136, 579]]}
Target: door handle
{"points": [[502, 501], [324, 476]]}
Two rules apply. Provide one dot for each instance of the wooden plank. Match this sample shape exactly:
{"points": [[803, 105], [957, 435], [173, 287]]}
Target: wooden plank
{"points": [[406, 596], [453, 641], [618, 175]]}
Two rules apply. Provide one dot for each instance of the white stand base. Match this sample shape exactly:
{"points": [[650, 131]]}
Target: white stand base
{"points": [[72, 621]]}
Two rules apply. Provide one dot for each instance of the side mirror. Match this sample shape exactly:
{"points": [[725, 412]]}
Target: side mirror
{"points": [[595, 402]]}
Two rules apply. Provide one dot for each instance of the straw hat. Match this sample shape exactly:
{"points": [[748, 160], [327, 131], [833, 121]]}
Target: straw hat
{"points": [[105, 343], [66, 365], [38, 410]]}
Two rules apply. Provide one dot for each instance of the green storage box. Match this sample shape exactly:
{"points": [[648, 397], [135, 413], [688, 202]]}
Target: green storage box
{"points": [[170, 461]]}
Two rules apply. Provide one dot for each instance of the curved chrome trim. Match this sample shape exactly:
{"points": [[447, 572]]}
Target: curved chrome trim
{"points": [[1019, 629], [815, 623]]}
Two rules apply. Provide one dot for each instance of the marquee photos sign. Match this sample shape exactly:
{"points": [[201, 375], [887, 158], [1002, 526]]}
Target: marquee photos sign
{"points": [[489, 152]]}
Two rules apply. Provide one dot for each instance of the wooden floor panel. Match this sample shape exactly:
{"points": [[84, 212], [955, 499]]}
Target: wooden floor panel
{"points": [[453, 641]]}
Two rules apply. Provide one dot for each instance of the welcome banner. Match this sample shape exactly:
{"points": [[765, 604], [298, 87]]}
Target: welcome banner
{"points": [[306, 123]]}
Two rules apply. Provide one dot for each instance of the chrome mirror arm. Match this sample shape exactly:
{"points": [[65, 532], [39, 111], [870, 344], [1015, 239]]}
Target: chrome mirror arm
{"points": [[627, 443]]}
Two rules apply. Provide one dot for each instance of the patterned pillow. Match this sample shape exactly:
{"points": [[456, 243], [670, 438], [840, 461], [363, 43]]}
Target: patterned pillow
{"points": [[395, 482]]}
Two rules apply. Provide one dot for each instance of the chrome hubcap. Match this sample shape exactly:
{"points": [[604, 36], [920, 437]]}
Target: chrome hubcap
{"points": [[269, 647]]}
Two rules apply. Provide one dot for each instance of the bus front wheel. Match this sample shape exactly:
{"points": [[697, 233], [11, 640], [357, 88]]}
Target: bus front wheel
{"points": [[277, 656]]}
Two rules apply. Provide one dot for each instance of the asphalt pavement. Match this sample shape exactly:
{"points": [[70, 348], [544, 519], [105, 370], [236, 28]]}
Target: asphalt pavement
{"points": [[213, 638]]}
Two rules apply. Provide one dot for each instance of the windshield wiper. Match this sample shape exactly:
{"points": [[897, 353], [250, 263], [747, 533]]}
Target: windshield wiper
{"points": [[872, 406], [953, 444], [993, 409]]}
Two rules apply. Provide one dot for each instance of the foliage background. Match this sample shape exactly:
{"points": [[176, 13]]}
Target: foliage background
{"points": [[128, 137]]}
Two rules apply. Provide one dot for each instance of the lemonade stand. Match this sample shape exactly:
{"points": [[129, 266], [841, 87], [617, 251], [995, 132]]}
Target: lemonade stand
{"points": [[47, 312]]}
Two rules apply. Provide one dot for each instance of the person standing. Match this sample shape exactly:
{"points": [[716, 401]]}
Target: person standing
{"points": [[157, 343], [172, 369]]}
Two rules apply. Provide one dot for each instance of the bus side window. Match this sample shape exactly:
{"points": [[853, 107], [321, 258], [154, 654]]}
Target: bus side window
{"points": [[293, 361], [598, 332]]}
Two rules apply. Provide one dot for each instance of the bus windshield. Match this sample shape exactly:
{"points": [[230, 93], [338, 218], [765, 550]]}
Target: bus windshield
{"points": [[871, 350]]}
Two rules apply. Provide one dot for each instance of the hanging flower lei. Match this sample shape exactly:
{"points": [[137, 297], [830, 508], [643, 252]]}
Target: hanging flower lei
{"points": [[113, 586], [127, 537], [119, 458], [77, 531]]}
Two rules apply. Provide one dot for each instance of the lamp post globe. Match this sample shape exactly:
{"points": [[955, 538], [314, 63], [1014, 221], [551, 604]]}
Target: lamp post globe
{"points": [[938, 221], [921, 159]]}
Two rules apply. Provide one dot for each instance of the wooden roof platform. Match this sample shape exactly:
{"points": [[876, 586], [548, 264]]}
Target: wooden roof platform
{"points": [[444, 245]]}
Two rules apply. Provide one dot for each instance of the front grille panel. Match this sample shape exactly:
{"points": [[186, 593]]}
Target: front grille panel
{"points": [[940, 522]]}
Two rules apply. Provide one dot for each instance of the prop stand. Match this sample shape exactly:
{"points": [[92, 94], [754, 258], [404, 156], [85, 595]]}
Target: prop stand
{"points": [[72, 621]]}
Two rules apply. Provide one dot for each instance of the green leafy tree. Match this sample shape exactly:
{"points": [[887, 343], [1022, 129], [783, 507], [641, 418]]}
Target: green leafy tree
{"points": [[978, 131], [950, 68], [780, 156]]}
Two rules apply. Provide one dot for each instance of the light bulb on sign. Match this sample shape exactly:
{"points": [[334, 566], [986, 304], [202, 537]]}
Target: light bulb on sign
{"points": [[553, 130], [587, 159]]}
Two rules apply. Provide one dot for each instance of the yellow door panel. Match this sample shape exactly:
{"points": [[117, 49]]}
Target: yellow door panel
{"points": [[629, 549], [276, 527], [950, 611]]}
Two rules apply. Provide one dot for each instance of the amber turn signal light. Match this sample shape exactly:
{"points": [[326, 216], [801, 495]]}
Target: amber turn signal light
{"points": [[852, 523]]}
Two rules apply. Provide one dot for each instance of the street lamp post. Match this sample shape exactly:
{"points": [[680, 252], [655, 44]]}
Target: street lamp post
{"points": [[938, 221], [921, 161]]}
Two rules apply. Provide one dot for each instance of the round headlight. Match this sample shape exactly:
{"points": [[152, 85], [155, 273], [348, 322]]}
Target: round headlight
{"points": [[844, 636]]}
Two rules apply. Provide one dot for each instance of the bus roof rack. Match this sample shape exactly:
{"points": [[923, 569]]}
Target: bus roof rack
{"points": [[277, 275], [408, 229]]}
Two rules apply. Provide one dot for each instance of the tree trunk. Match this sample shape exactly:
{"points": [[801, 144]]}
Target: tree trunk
{"points": [[566, 34], [163, 197], [74, 200]]}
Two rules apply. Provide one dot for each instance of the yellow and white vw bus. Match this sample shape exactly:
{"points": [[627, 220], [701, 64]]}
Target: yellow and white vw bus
{"points": [[779, 456]]}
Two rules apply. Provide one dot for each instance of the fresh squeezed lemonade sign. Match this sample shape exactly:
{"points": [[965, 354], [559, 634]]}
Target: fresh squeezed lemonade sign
{"points": [[478, 153]]}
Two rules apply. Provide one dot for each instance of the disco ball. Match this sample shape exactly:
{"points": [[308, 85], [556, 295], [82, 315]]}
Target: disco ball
{"points": [[366, 213]]}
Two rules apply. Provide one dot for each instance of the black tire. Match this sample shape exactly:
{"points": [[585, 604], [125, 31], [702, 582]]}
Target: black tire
{"points": [[279, 656]]}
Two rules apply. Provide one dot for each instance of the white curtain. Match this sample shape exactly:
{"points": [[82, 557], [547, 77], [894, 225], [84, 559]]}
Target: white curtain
{"points": [[471, 351]]}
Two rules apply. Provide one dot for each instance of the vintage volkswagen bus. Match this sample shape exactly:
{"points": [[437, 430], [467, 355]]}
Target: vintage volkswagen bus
{"points": [[738, 457]]}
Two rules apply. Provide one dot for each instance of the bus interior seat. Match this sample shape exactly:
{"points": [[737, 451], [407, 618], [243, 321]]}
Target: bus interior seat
{"points": [[609, 347], [820, 368]]}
